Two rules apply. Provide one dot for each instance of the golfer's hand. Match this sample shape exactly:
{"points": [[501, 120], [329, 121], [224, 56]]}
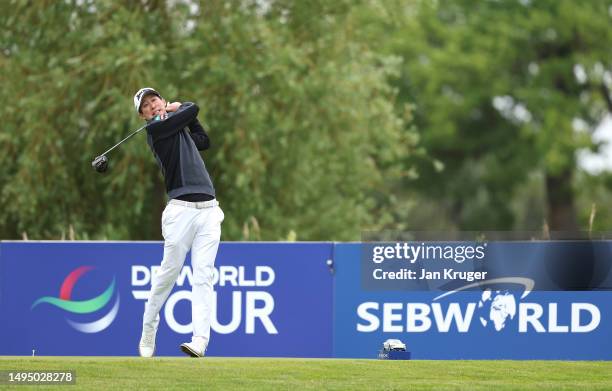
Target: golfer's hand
{"points": [[171, 107]]}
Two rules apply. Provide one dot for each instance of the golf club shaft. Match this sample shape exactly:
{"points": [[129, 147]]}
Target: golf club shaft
{"points": [[119, 143]]}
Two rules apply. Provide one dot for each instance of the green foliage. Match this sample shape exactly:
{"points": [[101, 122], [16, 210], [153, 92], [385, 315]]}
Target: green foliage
{"points": [[301, 117], [498, 87], [327, 118]]}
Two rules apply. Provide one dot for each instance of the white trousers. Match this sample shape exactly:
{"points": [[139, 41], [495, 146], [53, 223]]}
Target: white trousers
{"points": [[184, 228]]}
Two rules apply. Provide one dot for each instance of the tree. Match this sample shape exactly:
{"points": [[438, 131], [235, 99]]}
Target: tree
{"points": [[501, 89], [301, 120]]}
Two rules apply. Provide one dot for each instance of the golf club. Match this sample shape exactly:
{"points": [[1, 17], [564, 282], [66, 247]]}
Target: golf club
{"points": [[100, 163]]}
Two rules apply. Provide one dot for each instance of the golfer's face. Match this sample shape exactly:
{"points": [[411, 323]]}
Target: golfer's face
{"points": [[151, 106]]}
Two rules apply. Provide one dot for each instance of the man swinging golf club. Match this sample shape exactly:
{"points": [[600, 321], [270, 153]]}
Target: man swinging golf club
{"points": [[191, 220]]}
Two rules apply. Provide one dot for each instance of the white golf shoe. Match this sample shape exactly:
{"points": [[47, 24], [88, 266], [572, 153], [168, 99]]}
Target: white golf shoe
{"points": [[146, 348], [195, 348]]}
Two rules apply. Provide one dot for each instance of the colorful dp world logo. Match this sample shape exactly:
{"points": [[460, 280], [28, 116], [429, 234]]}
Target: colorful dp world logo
{"points": [[85, 306]]}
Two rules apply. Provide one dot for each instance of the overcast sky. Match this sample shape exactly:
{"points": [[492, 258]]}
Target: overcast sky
{"points": [[602, 161]]}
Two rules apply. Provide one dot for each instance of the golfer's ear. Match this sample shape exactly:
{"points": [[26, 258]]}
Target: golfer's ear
{"points": [[142, 116]]}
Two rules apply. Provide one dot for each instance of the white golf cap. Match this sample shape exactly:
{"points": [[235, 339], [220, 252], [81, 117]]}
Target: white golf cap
{"points": [[141, 94]]}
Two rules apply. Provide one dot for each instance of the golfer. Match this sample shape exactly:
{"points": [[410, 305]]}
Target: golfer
{"points": [[191, 220]]}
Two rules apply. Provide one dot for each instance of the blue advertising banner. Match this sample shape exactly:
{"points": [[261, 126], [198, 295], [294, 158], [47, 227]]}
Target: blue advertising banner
{"points": [[505, 317], [87, 298], [280, 299]]}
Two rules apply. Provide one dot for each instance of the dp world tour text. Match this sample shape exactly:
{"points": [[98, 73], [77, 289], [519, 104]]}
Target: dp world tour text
{"points": [[250, 307]]}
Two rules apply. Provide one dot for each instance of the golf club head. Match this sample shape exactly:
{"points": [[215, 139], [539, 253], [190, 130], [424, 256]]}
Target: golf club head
{"points": [[100, 163]]}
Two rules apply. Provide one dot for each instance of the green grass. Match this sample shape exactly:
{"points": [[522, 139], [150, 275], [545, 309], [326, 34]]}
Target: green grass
{"points": [[134, 373]]}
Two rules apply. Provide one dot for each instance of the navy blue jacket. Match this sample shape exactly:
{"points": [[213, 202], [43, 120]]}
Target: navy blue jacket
{"points": [[175, 142]]}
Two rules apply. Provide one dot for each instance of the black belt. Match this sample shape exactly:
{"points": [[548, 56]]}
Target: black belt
{"points": [[196, 197]]}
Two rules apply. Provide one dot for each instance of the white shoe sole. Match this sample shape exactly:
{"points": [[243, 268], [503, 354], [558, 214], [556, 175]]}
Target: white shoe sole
{"points": [[189, 351]]}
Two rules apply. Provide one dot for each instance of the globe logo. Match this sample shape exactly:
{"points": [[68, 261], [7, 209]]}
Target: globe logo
{"points": [[499, 305]]}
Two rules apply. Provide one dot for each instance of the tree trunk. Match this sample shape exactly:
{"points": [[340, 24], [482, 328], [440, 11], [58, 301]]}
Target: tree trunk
{"points": [[561, 209]]}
